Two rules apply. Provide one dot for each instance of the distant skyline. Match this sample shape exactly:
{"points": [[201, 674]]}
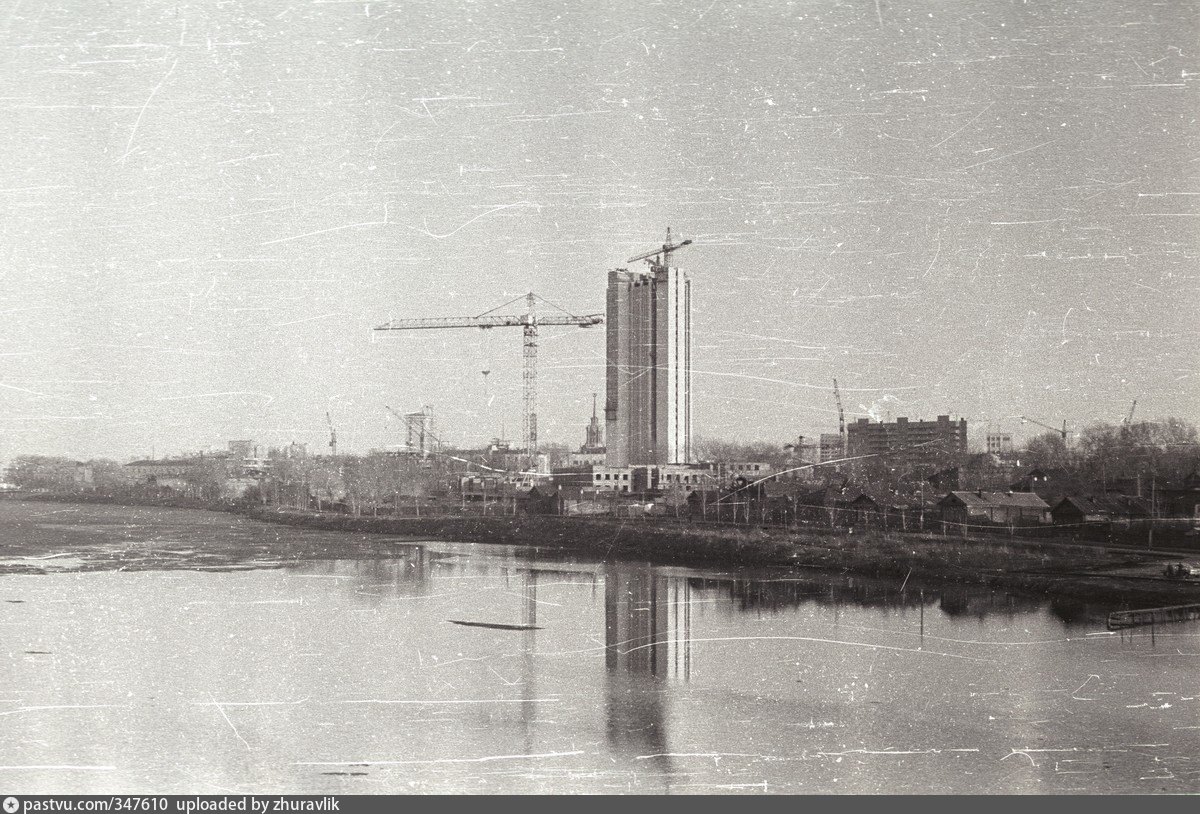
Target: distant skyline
{"points": [[976, 208]]}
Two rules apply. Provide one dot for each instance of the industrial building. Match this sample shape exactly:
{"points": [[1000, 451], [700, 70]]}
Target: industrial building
{"points": [[648, 404], [908, 442]]}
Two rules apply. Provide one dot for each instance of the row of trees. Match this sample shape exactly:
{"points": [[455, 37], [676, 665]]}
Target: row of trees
{"points": [[1166, 450], [56, 474]]}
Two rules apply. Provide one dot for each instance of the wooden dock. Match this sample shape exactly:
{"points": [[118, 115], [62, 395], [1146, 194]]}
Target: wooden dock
{"points": [[1153, 616]]}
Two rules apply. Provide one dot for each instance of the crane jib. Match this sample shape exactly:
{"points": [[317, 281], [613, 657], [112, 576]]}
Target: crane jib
{"points": [[530, 322]]}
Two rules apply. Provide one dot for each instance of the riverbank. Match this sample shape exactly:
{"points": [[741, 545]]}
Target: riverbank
{"points": [[1077, 571], [1080, 572], [327, 648]]}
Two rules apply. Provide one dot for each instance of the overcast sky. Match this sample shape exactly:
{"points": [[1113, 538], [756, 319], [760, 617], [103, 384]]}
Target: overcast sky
{"points": [[986, 208]]}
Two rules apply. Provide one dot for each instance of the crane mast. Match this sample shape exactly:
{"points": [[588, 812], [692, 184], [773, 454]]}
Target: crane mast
{"points": [[529, 323], [529, 433], [841, 419]]}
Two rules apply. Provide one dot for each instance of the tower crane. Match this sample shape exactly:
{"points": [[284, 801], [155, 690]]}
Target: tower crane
{"points": [[332, 435], [1062, 432], [529, 322], [664, 251], [841, 420]]}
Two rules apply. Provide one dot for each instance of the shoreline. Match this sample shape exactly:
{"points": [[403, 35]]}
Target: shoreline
{"points": [[1078, 572]]}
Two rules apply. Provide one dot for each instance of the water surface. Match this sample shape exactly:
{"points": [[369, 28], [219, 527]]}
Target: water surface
{"points": [[345, 674]]}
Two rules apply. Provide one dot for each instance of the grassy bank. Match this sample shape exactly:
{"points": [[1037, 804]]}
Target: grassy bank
{"points": [[1084, 572], [1080, 572]]}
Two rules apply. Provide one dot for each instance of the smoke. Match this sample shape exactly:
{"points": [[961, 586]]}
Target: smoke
{"points": [[876, 410]]}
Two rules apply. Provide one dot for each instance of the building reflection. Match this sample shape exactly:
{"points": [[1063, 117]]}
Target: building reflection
{"points": [[775, 594], [647, 623], [647, 637]]}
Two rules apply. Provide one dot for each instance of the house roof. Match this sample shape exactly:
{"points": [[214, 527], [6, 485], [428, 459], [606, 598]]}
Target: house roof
{"points": [[1121, 505], [1054, 481], [982, 499]]}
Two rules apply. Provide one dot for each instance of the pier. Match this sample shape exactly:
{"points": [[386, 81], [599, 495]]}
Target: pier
{"points": [[1119, 620]]}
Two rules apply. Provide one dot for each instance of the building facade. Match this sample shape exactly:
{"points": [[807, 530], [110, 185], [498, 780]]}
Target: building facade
{"points": [[648, 404], [831, 447], [999, 443], [418, 432], [908, 442]]}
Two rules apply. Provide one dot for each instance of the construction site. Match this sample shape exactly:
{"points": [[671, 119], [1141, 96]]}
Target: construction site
{"points": [[639, 455], [643, 445]]}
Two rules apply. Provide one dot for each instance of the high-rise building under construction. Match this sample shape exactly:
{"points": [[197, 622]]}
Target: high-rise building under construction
{"points": [[648, 404]]}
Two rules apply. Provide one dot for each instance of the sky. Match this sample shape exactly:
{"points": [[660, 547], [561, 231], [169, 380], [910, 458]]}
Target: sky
{"points": [[986, 208]]}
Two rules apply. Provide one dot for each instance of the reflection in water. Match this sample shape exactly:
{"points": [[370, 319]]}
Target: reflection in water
{"points": [[647, 637], [774, 594], [346, 676], [528, 650], [404, 572], [981, 602], [647, 621]]}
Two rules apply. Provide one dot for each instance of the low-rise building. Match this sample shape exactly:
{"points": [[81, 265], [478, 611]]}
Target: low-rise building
{"points": [[151, 471], [1107, 508], [726, 471], [54, 474], [1051, 485], [1009, 508], [1180, 499], [618, 478]]}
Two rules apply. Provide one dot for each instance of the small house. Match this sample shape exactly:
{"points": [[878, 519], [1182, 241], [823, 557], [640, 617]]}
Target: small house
{"points": [[1005, 508], [1078, 509], [864, 510]]}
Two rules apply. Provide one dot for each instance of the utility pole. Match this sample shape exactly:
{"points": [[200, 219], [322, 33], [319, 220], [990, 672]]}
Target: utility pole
{"points": [[1153, 509]]}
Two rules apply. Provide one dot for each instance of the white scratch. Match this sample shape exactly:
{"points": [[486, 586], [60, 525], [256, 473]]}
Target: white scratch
{"points": [[488, 759], [138, 121], [221, 710]]}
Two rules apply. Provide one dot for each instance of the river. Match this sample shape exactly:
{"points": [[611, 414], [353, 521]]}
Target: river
{"points": [[133, 660]]}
